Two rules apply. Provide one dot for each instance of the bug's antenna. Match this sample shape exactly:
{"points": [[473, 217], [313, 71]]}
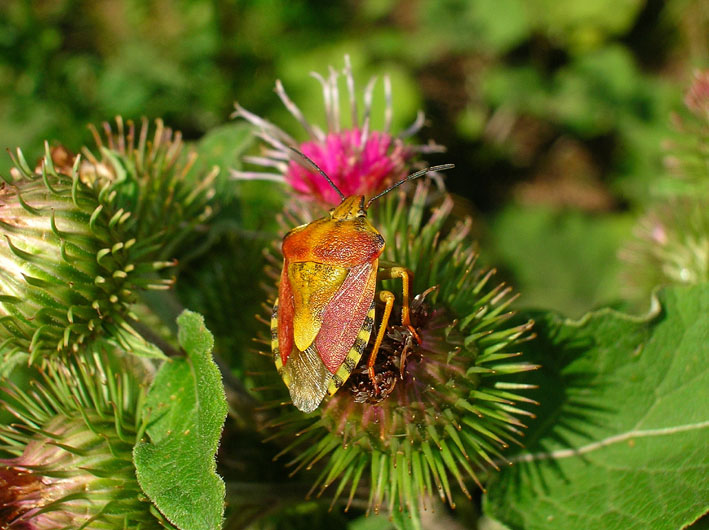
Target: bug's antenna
{"points": [[410, 177], [329, 180]]}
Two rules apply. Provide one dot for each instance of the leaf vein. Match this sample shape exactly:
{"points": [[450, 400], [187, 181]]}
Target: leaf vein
{"points": [[568, 453]]}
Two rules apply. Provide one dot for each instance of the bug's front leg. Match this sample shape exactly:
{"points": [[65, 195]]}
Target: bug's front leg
{"points": [[388, 298], [387, 272]]}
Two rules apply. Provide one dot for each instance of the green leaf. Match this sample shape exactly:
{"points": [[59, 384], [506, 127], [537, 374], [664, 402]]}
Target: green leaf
{"points": [[223, 147], [584, 25], [186, 408], [367, 522], [249, 203], [621, 435], [221, 280], [405, 521], [493, 26], [578, 269]]}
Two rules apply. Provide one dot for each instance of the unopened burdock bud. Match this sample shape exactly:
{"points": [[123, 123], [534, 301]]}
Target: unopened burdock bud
{"points": [[71, 442], [69, 264], [81, 237]]}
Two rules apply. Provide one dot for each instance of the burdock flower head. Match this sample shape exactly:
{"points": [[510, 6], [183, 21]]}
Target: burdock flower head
{"points": [[672, 239], [444, 399], [80, 237], [71, 449], [671, 246], [359, 160]]}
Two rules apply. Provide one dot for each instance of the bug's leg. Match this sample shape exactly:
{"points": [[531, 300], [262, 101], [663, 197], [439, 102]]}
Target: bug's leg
{"points": [[388, 299], [406, 276]]}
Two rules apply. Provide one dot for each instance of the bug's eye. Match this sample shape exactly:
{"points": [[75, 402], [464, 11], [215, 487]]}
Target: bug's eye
{"points": [[361, 213]]}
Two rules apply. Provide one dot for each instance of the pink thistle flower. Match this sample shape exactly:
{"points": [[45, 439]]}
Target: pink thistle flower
{"points": [[357, 159]]}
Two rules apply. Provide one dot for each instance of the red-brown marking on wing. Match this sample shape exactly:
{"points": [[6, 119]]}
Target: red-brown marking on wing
{"points": [[344, 315], [285, 315]]}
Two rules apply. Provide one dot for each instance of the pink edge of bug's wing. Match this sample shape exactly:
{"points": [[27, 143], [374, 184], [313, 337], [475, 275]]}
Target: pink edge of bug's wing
{"points": [[283, 311], [345, 315]]}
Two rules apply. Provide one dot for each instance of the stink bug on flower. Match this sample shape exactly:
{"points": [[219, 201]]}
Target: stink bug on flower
{"points": [[324, 315]]}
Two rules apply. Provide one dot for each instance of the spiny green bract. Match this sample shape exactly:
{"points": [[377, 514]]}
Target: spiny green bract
{"points": [[79, 238], [154, 179]]}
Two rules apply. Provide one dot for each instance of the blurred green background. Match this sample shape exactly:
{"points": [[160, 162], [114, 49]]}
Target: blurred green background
{"points": [[553, 112]]}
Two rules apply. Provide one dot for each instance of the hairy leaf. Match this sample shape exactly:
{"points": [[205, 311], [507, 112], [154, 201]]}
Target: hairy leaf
{"points": [[621, 436], [186, 407]]}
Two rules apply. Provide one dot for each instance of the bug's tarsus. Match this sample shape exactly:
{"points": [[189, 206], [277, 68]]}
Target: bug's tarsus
{"points": [[329, 180], [408, 178]]}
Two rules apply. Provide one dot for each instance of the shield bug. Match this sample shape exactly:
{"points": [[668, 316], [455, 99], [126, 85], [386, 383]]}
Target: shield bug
{"points": [[324, 315]]}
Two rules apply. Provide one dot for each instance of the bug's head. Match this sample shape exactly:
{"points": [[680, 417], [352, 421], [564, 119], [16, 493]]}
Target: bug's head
{"points": [[350, 208]]}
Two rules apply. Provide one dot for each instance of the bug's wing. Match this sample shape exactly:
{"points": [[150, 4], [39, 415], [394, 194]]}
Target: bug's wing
{"points": [[313, 285], [347, 323], [345, 326], [354, 355], [303, 372], [310, 378], [303, 292]]}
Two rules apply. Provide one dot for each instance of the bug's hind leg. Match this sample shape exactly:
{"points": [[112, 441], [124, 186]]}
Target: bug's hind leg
{"points": [[395, 271], [388, 298]]}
